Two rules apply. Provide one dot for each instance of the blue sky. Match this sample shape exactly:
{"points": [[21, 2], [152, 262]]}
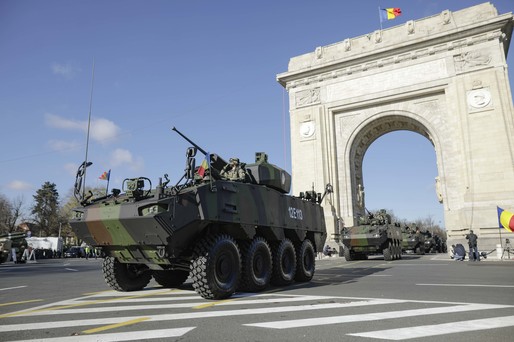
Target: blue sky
{"points": [[207, 67]]}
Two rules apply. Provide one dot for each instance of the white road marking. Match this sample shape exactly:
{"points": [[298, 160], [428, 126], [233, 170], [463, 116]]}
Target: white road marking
{"points": [[128, 336], [191, 315], [440, 329], [76, 310], [13, 288], [71, 269], [466, 285], [308, 322]]}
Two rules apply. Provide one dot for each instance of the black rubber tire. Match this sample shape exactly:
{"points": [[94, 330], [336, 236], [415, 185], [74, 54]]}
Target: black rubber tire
{"points": [[348, 254], [170, 278], [305, 261], [256, 265], [284, 263], [216, 267], [125, 277], [388, 253]]}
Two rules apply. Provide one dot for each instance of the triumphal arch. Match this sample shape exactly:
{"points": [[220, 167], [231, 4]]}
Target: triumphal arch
{"points": [[444, 77]]}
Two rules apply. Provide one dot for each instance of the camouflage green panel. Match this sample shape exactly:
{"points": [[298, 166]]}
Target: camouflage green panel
{"points": [[269, 175], [254, 205], [119, 223], [368, 236]]}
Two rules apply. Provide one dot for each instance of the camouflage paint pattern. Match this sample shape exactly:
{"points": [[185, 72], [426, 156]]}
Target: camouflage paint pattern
{"points": [[159, 228], [370, 239]]}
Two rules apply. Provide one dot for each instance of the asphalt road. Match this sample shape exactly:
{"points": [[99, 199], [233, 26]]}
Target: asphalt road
{"points": [[427, 298]]}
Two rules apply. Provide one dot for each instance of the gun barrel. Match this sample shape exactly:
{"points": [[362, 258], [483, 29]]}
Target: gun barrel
{"points": [[189, 140]]}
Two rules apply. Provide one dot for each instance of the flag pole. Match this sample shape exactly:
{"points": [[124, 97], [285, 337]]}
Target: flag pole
{"points": [[88, 128], [108, 180], [380, 17]]}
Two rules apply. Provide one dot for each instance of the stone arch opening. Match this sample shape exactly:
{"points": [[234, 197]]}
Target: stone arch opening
{"points": [[368, 133]]}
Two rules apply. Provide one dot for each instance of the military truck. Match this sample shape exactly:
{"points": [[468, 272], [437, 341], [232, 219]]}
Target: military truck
{"points": [[10, 241], [225, 235], [413, 241], [373, 235]]}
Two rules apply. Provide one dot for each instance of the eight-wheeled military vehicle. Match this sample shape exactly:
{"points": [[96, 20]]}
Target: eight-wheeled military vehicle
{"points": [[225, 235], [413, 241], [10, 241], [373, 235]]}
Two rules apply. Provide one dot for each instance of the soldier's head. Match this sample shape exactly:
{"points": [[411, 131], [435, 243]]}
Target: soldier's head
{"points": [[471, 231], [234, 161]]}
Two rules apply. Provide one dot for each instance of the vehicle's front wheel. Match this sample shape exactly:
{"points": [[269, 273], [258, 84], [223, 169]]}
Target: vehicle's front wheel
{"points": [[388, 256], [216, 267], [125, 277], [348, 255]]}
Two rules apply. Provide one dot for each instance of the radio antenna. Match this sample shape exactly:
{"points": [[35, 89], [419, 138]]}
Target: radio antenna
{"points": [[88, 128]]}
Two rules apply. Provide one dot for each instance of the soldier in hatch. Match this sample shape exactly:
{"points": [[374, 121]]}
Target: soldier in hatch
{"points": [[233, 171]]}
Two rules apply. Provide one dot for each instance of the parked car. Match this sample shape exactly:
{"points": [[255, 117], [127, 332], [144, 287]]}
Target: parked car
{"points": [[73, 252]]}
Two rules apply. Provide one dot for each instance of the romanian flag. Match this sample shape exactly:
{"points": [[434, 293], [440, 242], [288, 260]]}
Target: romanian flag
{"points": [[105, 176], [506, 219], [205, 165], [389, 13]]}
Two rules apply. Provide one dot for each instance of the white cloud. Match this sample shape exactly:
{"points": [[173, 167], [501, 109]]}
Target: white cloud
{"points": [[101, 130], [66, 70], [71, 168], [56, 121], [19, 185], [61, 145], [121, 157]]}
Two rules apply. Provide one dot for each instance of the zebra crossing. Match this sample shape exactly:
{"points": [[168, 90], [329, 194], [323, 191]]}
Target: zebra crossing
{"points": [[101, 316]]}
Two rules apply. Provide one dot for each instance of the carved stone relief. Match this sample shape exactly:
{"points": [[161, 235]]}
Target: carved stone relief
{"points": [[307, 97], [469, 60]]}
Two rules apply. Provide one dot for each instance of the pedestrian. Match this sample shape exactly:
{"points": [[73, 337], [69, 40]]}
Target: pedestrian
{"points": [[328, 251], [473, 249], [458, 252]]}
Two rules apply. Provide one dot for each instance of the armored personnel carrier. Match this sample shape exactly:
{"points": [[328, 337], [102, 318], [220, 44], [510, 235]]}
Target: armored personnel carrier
{"points": [[413, 241], [10, 241], [374, 235], [226, 235]]}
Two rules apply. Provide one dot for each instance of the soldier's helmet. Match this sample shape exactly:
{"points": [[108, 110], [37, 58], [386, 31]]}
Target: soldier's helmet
{"points": [[234, 160]]}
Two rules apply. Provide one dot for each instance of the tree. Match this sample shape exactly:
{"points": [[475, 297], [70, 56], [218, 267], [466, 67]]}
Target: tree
{"points": [[46, 209], [10, 213]]}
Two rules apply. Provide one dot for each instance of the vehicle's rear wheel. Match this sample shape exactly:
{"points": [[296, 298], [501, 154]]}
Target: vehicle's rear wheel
{"points": [[216, 267], [170, 278], [256, 265], [125, 277], [305, 261], [284, 263]]}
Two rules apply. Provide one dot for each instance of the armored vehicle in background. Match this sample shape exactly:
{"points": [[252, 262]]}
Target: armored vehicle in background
{"points": [[225, 235], [413, 241], [432, 242], [374, 235], [10, 241]]}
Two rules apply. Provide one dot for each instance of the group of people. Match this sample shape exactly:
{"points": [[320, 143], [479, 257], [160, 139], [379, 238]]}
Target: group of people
{"points": [[459, 253]]}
